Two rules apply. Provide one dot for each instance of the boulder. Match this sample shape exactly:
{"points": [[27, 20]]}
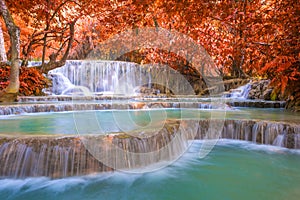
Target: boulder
{"points": [[293, 103], [267, 94], [260, 90], [147, 90]]}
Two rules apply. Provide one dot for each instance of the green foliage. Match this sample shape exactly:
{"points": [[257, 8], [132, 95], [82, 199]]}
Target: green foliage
{"points": [[274, 95]]}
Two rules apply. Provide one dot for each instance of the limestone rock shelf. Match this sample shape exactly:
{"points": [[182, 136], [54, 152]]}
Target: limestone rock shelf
{"points": [[257, 103], [69, 106], [67, 103]]}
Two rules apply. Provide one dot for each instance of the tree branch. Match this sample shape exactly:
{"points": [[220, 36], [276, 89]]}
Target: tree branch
{"points": [[52, 64]]}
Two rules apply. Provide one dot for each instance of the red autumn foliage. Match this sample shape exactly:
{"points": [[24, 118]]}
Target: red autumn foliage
{"points": [[283, 71], [244, 38], [32, 80]]}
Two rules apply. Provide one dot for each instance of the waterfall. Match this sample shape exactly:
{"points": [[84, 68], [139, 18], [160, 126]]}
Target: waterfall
{"points": [[257, 132], [55, 156], [261, 132], [240, 92], [279, 141], [297, 140], [274, 132], [96, 76], [60, 83], [46, 157], [115, 77]]}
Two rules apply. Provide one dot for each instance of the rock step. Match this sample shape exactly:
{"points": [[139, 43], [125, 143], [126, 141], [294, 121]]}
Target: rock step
{"points": [[257, 104], [60, 107]]}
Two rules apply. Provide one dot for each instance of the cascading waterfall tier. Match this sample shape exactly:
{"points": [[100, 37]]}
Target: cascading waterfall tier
{"points": [[55, 157], [282, 134], [68, 156], [112, 77], [96, 76], [240, 92], [239, 98]]}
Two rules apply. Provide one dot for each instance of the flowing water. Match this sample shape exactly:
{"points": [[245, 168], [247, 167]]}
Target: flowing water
{"points": [[114, 77], [240, 92], [233, 170]]}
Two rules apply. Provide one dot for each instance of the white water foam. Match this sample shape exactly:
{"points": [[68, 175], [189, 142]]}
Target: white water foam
{"points": [[257, 147], [241, 92]]}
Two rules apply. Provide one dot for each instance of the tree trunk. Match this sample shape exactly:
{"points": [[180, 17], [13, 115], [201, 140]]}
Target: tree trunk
{"points": [[10, 93], [3, 57], [236, 67]]}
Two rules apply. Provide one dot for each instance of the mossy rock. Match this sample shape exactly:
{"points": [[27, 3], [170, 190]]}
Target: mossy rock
{"points": [[274, 95]]}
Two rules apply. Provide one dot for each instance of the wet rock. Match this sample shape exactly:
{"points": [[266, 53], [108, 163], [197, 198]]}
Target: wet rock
{"points": [[257, 104], [260, 90], [147, 91], [293, 101], [267, 94], [8, 97]]}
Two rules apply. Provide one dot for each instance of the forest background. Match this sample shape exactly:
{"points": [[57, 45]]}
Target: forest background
{"points": [[245, 38]]}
